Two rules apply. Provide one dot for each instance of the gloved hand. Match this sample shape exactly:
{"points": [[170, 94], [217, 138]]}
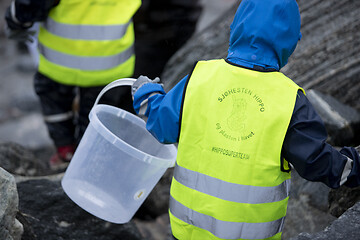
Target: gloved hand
{"points": [[16, 30], [21, 15], [140, 82], [32, 10]]}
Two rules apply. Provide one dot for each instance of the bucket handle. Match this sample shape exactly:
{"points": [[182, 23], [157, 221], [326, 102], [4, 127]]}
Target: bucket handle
{"points": [[116, 83]]}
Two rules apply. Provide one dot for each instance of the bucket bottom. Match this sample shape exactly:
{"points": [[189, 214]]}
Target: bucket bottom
{"points": [[97, 202]]}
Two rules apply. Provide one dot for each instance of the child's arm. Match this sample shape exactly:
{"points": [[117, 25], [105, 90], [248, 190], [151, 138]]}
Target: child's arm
{"points": [[306, 149], [161, 109]]}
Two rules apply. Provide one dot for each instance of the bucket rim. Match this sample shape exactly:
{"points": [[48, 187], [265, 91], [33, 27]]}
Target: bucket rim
{"points": [[121, 144]]}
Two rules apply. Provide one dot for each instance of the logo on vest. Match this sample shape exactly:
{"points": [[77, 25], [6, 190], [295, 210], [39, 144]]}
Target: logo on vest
{"points": [[236, 121], [234, 126]]}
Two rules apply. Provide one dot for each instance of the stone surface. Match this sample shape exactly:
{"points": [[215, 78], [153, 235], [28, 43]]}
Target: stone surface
{"points": [[307, 208], [303, 217], [343, 198], [19, 160], [157, 229], [342, 122], [328, 55], [326, 59], [10, 228], [346, 227], [48, 214]]}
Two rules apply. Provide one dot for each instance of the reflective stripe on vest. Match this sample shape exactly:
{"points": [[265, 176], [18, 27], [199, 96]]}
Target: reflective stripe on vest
{"points": [[86, 32], [231, 191], [228, 182], [223, 229], [88, 43], [85, 63]]}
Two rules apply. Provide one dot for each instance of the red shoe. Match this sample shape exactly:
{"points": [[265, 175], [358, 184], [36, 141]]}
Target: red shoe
{"points": [[62, 157]]}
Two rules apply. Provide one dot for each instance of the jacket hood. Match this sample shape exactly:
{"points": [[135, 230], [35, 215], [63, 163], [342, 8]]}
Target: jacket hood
{"points": [[264, 33]]}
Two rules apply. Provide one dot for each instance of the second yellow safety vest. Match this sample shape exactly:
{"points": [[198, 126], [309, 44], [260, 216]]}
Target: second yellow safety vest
{"points": [[228, 182], [88, 43]]}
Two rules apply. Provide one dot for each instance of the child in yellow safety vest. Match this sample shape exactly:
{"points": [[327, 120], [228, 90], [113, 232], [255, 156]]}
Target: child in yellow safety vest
{"points": [[241, 125]]}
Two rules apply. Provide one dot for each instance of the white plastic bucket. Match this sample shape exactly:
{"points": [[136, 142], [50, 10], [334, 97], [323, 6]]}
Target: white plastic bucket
{"points": [[117, 163]]}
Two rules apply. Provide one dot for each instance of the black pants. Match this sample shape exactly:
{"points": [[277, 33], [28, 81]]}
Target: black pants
{"points": [[57, 99]]}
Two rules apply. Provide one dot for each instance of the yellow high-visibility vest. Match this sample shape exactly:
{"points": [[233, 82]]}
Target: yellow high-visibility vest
{"points": [[228, 181], [88, 43]]}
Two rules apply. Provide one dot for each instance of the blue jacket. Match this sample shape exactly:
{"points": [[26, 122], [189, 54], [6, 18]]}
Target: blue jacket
{"points": [[262, 39]]}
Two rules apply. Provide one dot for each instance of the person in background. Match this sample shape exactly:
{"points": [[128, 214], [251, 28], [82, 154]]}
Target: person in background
{"points": [[241, 126], [161, 28], [83, 46]]}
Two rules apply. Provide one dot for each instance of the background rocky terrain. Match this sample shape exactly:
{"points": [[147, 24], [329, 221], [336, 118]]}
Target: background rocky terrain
{"points": [[325, 63]]}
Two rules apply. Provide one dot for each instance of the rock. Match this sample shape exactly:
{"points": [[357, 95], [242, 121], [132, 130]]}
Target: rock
{"points": [[315, 192], [158, 229], [48, 214], [326, 59], [328, 55], [19, 160], [342, 122], [345, 227], [307, 208], [303, 217], [10, 227], [157, 203], [343, 198]]}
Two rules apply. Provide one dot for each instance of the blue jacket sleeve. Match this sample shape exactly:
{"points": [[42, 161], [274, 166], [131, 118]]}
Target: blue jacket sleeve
{"points": [[306, 149], [163, 110]]}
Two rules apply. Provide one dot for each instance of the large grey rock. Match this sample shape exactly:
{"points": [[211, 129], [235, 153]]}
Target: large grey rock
{"points": [[341, 121], [326, 59], [307, 208], [48, 214], [302, 216], [10, 228], [328, 56], [346, 227], [316, 193]]}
